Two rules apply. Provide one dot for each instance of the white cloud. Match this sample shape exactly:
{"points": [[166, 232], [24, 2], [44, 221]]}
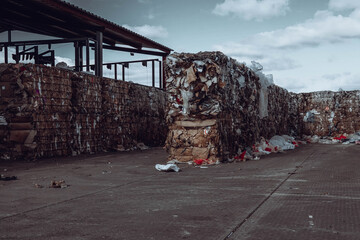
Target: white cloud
{"points": [[150, 16], [144, 1], [333, 82], [298, 55], [68, 61], [252, 9], [149, 31], [273, 48], [344, 4], [325, 27], [327, 82]]}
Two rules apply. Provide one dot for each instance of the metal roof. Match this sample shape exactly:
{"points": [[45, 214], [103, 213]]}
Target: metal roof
{"points": [[61, 19]]}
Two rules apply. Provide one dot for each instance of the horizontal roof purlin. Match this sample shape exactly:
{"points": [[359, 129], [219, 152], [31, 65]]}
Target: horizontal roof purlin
{"points": [[64, 20]]}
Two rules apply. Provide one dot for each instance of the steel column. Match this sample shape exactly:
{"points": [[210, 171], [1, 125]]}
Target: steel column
{"points": [[99, 54], [115, 65], [153, 72], [160, 70], [123, 72], [163, 71], [87, 56]]}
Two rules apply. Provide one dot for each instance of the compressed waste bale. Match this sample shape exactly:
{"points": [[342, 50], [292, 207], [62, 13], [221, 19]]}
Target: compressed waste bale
{"points": [[328, 113], [217, 106], [47, 111]]}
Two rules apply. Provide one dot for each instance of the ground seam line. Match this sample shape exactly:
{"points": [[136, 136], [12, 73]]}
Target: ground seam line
{"points": [[267, 198]]}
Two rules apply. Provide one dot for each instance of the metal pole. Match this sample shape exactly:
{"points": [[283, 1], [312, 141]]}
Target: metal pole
{"points": [[6, 54], [123, 72], [153, 73], [160, 82], [115, 65], [36, 52], [163, 71], [87, 56], [81, 56], [77, 58], [99, 54], [17, 54], [9, 36]]}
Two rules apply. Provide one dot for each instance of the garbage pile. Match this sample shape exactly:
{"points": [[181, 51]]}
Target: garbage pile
{"points": [[343, 139], [217, 107], [329, 113], [47, 111]]}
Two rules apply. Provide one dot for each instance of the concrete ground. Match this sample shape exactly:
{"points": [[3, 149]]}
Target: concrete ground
{"points": [[312, 192]]}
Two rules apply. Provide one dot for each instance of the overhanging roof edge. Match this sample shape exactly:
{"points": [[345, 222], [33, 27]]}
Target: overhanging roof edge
{"points": [[106, 23]]}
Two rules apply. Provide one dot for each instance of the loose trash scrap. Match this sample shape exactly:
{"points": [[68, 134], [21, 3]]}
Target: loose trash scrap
{"points": [[170, 167], [58, 184], [7, 178]]}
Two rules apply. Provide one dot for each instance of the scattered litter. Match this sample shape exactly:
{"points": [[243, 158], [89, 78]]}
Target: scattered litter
{"points": [[11, 178], [173, 161], [343, 138], [38, 185], [199, 161], [142, 146], [311, 222], [204, 167], [207, 162], [340, 138], [241, 157], [58, 184], [167, 168], [327, 141]]}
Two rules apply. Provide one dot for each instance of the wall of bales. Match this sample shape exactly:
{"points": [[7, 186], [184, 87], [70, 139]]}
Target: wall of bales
{"points": [[329, 113], [47, 112], [217, 107]]}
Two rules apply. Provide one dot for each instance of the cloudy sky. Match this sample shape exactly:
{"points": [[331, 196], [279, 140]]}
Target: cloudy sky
{"points": [[308, 45]]}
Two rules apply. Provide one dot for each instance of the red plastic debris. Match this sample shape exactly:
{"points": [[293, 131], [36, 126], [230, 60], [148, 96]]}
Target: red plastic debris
{"points": [[340, 138], [241, 156], [276, 148], [199, 161], [22, 68], [268, 149], [178, 101]]}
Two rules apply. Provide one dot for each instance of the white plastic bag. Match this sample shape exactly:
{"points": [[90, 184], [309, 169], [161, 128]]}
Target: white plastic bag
{"points": [[167, 168]]}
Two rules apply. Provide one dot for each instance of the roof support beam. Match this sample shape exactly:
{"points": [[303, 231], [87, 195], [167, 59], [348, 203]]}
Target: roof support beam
{"points": [[163, 73], [99, 54], [147, 52]]}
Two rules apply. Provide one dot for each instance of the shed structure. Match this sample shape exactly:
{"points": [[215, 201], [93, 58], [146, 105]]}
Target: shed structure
{"points": [[68, 23]]}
